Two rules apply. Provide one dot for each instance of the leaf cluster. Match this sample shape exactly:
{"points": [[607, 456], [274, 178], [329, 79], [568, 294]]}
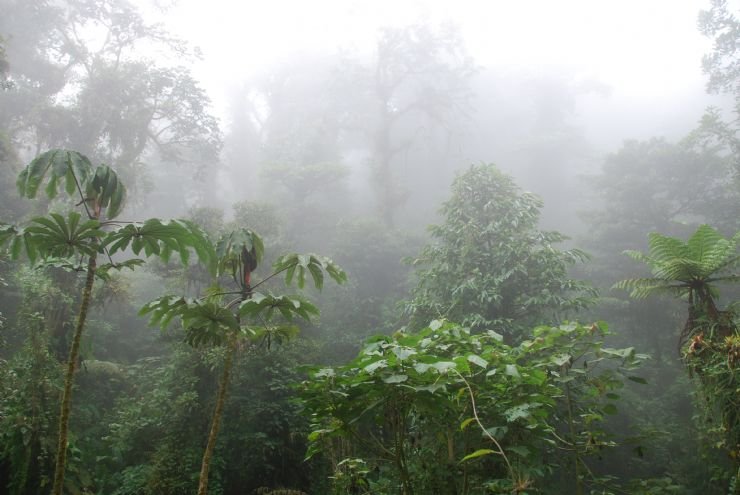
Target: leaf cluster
{"points": [[491, 267], [681, 267], [425, 379]]}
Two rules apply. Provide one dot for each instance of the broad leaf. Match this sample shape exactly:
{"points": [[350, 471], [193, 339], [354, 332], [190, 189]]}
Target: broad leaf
{"points": [[156, 237], [297, 265], [19, 242], [55, 167], [104, 190], [58, 237], [265, 305]]}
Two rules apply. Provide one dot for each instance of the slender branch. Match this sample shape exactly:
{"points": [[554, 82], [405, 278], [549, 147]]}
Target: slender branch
{"points": [[483, 428], [274, 274], [233, 302], [83, 199], [219, 294]]}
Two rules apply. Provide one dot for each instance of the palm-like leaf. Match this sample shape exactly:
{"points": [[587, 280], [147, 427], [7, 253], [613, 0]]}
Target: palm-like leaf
{"points": [[204, 322], [58, 237], [19, 241], [105, 190], [265, 305], [54, 167], [230, 247], [162, 238], [207, 323], [688, 269], [164, 309], [681, 267], [297, 265], [268, 335]]}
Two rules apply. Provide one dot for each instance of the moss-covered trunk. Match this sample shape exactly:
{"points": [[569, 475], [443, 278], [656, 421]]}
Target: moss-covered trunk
{"points": [[74, 353], [216, 421]]}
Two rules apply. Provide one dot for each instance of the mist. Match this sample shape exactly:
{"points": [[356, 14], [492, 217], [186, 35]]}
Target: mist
{"points": [[341, 247]]}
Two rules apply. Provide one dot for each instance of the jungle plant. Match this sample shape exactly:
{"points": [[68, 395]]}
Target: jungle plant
{"points": [[250, 318], [491, 267], [444, 410], [691, 269], [76, 240], [710, 337]]}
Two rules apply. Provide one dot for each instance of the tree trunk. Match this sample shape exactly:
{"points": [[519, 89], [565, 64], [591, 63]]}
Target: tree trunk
{"points": [[574, 440], [74, 352], [216, 421]]}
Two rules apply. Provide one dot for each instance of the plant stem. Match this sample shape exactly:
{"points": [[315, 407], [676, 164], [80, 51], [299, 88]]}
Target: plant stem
{"points": [[216, 422], [573, 439], [74, 352]]}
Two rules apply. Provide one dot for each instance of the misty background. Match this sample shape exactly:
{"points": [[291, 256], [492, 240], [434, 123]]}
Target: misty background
{"points": [[355, 129]]}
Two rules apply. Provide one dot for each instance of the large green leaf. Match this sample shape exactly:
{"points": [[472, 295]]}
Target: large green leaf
{"points": [[58, 237], [164, 309], [297, 265], [268, 335], [231, 249], [19, 242], [265, 306], [55, 167], [207, 323], [103, 189], [680, 267], [161, 238]]}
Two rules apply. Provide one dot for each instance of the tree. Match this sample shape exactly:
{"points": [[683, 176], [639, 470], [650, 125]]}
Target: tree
{"points": [[416, 89], [75, 242], [96, 94], [490, 267], [693, 270], [722, 66], [212, 321], [690, 269]]}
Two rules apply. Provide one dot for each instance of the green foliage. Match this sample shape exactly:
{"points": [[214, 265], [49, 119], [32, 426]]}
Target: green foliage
{"points": [[683, 268], [55, 166], [57, 237], [154, 438], [692, 269], [234, 248], [28, 382], [405, 401], [264, 306], [491, 267], [210, 321], [161, 238], [58, 241], [296, 265]]}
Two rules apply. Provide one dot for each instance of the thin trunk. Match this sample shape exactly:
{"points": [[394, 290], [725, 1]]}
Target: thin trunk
{"points": [[573, 439], [401, 464], [216, 422], [74, 352]]}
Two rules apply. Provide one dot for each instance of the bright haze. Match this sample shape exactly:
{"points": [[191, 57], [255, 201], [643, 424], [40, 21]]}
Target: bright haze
{"points": [[645, 52]]}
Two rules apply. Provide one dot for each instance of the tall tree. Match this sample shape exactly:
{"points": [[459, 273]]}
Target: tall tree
{"points": [[211, 320], [75, 242], [693, 270], [416, 88], [490, 267], [81, 81]]}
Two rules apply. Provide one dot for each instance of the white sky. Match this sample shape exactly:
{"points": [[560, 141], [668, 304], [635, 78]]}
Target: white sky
{"points": [[641, 48]]}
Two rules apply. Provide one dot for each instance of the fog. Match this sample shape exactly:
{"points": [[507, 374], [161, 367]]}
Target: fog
{"points": [[526, 215], [610, 72]]}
